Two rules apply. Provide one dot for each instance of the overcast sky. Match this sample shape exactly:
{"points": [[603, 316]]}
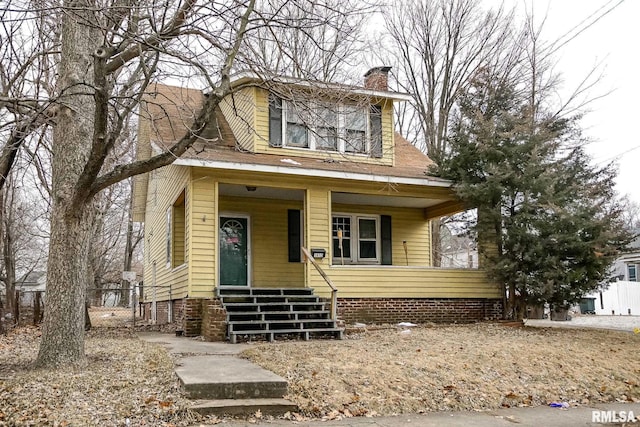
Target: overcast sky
{"points": [[613, 122]]}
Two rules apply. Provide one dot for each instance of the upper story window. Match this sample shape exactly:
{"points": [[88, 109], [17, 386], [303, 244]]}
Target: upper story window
{"points": [[325, 126]]}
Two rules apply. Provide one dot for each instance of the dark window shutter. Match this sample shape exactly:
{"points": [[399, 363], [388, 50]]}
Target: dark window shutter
{"points": [[295, 238], [385, 235], [275, 121], [375, 119]]}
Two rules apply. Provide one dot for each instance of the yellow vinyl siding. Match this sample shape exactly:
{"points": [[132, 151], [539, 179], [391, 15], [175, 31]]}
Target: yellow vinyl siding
{"points": [[165, 185], [262, 136], [204, 220], [318, 232], [270, 266], [407, 224], [239, 109], [269, 238], [388, 151], [409, 282]]}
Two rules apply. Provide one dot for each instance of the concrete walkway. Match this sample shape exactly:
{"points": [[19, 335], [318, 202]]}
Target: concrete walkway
{"points": [[183, 346], [219, 382]]}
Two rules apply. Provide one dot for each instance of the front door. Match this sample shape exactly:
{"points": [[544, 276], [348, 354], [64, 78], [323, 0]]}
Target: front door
{"points": [[234, 251]]}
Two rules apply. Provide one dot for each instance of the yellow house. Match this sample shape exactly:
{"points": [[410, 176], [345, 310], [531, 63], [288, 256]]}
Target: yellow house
{"points": [[298, 194]]}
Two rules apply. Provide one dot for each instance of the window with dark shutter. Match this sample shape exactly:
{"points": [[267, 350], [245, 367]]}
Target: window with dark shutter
{"points": [[295, 235], [275, 121], [375, 120], [385, 237]]}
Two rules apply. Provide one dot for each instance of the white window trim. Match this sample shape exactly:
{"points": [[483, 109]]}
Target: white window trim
{"points": [[312, 133], [635, 267], [169, 235], [355, 258]]}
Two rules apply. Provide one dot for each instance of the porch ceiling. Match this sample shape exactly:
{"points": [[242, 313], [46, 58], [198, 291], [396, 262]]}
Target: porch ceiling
{"points": [[376, 200], [260, 192], [336, 197]]}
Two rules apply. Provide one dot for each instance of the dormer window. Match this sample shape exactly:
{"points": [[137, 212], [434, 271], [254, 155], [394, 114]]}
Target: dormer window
{"points": [[321, 126]]}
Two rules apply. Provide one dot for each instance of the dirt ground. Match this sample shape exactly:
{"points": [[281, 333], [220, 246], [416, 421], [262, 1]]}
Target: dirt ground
{"points": [[128, 382], [465, 367]]}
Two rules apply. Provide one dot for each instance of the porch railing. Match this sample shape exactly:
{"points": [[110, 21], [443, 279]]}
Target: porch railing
{"points": [[334, 290]]}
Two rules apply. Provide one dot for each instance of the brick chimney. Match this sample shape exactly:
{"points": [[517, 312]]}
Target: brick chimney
{"points": [[377, 78]]}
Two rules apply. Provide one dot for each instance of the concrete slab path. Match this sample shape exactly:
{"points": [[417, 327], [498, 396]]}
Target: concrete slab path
{"points": [[221, 383], [192, 346], [227, 377]]}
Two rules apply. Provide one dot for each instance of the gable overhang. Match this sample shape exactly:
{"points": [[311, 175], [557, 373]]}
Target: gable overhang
{"points": [[312, 173], [247, 78], [433, 207]]}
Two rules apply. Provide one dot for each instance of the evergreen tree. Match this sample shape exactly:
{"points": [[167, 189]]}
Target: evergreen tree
{"points": [[548, 220]]}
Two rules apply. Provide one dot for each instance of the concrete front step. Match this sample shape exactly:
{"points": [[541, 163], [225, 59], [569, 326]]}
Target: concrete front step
{"points": [[270, 335], [222, 407], [228, 377], [244, 290]]}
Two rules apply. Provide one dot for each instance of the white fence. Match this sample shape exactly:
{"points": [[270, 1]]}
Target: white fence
{"points": [[620, 298]]}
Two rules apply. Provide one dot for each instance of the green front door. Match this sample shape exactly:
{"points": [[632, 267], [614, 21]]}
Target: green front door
{"points": [[233, 251]]}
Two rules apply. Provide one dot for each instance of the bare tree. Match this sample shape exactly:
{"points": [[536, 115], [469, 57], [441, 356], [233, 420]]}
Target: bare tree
{"points": [[325, 51], [438, 46], [108, 55]]}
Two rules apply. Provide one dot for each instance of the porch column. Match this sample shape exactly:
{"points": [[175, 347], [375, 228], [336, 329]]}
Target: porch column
{"points": [[317, 227], [203, 241]]}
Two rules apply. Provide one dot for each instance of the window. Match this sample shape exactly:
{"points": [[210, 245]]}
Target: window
{"points": [[176, 232], [355, 130], [341, 231], [632, 270], [323, 126], [275, 121], [327, 129], [297, 131], [367, 239], [375, 119], [356, 239]]}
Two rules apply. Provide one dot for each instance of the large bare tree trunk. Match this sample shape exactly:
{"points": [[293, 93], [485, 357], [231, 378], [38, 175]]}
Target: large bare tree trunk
{"points": [[63, 327], [72, 214]]}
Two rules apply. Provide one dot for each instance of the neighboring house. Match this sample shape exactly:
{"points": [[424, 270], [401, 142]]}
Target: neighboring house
{"points": [[29, 284], [458, 251], [622, 296], [290, 164]]}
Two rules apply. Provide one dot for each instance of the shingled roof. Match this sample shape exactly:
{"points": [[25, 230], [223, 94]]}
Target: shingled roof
{"points": [[171, 111]]}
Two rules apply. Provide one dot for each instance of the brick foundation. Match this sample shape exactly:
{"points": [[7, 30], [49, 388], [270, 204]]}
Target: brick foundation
{"points": [[418, 310], [162, 311], [214, 321], [192, 316], [192, 319]]}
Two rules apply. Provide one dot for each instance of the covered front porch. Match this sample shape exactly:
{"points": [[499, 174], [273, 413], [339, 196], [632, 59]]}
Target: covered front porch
{"points": [[372, 239]]}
